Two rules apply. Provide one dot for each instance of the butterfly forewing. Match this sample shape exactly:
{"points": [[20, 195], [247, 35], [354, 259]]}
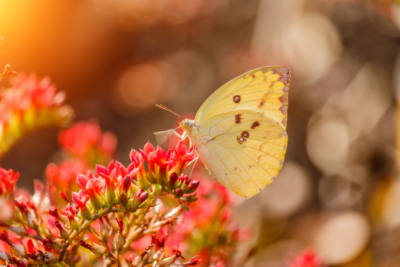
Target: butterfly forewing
{"points": [[264, 90]]}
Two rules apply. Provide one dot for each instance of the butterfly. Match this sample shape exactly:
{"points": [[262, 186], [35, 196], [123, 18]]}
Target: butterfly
{"points": [[239, 132]]}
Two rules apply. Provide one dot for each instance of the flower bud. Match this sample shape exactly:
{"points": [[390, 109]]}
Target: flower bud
{"points": [[126, 183], [192, 186], [184, 179], [59, 226], [123, 199], [142, 196], [193, 261], [64, 196], [120, 225], [85, 244], [53, 212], [178, 192], [172, 179]]}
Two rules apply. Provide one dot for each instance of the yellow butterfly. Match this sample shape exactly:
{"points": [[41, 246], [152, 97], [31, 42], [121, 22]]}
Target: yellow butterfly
{"points": [[239, 132]]}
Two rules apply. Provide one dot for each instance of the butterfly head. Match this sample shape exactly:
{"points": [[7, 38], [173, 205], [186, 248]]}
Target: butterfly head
{"points": [[188, 125]]}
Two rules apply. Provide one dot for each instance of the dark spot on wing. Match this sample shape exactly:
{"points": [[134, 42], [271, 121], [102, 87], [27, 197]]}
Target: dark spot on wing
{"points": [[262, 102], [255, 125], [245, 134], [238, 118], [236, 99], [241, 139]]}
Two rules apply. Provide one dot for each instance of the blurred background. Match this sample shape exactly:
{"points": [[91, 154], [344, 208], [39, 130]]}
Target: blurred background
{"points": [[338, 191]]}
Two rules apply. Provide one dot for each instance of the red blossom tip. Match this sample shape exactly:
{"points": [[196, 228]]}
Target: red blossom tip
{"points": [[120, 225], [80, 199], [4, 236], [69, 211], [102, 170], [30, 247], [307, 258], [193, 261], [85, 244], [184, 179], [142, 196], [126, 183], [173, 178], [53, 212], [178, 192], [193, 186], [82, 180], [64, 196], [147, 149], [8, 179]]}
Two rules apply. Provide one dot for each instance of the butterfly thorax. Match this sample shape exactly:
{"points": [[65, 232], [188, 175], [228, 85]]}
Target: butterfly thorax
{"points": [[189, 126]]}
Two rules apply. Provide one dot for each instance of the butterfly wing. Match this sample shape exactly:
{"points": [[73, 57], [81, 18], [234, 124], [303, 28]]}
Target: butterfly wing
{"points": [[264, 90], [244, 157], [241, 137]]}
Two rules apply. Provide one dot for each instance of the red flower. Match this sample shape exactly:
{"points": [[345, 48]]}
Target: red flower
{"points": [[84, 138], [80, 198], [186, 155], [8, 178], [69, 211], [29, 103], [161, 162], [30, 247], [63, 175], [306, 259], [114, 173], [30, 90]]}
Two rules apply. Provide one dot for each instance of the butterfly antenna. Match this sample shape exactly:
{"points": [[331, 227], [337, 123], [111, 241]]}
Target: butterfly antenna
{"points": [[160, 106]]}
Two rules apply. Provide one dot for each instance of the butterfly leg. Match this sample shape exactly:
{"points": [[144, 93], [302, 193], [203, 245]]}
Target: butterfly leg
{"points": [[193, 164]]}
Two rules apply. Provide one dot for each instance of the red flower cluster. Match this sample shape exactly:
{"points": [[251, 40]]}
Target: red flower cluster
{"points": [[205, 229], [165, 167], [155, 253], [85, 140], [131, 185], [28, 103], [28, 91], [307, 258], [109, 207], [210, 216], [115, 202], [8, 179]]}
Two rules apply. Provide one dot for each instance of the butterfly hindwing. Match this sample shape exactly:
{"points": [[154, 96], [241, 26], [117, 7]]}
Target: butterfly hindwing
{"points": [[244, 156]]}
